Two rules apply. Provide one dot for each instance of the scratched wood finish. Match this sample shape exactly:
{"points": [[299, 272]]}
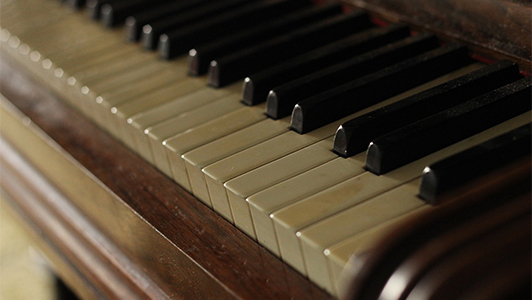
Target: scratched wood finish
{"points": [[238, 265], [493, 28]]}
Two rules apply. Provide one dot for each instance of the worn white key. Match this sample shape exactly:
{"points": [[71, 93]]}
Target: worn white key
{"points": [[53, 42], [228, 168], [54, 76], [59, 65], [19, 17], [264, 203], [16, 14], [63, 48], [102, 72], [157, 134], [124, 110], [61, 70], [102, 85], [14, 48], [220, 172], [44, 34], [93, 93], [112, 50], [239, 188], [339, 254], [142, 121], [134, 83], [17, 50], [297, 216], [89, 40], [56, 38], [195, 137], [52, 33], [317, 237], [134, 61], [205, 155], [112, 68], [87, 91], [72, 57], [133, 90]]}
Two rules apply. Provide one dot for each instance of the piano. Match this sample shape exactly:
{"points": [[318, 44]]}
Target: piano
{"points": [[219, 154]]}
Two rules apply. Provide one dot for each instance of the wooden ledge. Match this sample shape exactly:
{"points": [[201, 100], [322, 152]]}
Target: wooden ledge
{"points": [[187, 250], [494, 29]]}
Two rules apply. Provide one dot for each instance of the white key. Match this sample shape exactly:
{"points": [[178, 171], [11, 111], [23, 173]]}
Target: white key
{"points": [[317, 237], [299, 215], [106, 72], [137, 105], [220, 172], [107, 51], [228, 168], [131, 90], [205, 155], [239, 188], [102, 72], [339, 254], [19, 15], [162, 131], [141, 121], [264, 203], [195, 137], [97, 56], [197, 161]]}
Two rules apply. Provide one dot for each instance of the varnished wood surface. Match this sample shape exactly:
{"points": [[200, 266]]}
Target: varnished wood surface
{"points": [[493, 28], [193, 252], [193, 258], [54, 228], [507, 187]]}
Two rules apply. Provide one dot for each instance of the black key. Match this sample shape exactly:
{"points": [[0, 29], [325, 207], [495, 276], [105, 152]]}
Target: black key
{"points": [[282, 99], [257, 86], [236, 66], [201, 56], [94, 7], [152, 31], [419, 139], [113, 14], [75, 4], [459, 169], [179, 41], [135, 22], [353, 96], [355, 135]]}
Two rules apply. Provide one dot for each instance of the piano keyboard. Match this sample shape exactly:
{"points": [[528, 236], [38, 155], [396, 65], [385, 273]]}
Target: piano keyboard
{"points": [[259, 150]]}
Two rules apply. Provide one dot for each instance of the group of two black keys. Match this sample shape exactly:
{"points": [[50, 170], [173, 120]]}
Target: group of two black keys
{"points": [[319, 65]]}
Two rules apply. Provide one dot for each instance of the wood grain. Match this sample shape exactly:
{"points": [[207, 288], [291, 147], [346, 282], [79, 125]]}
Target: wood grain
{"points": [[201, 248], [495, 29], [42, 210], [489, 193]]}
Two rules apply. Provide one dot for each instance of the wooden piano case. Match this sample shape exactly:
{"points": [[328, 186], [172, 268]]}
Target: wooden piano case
{"points": [[114, 220], [116, 228]]}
